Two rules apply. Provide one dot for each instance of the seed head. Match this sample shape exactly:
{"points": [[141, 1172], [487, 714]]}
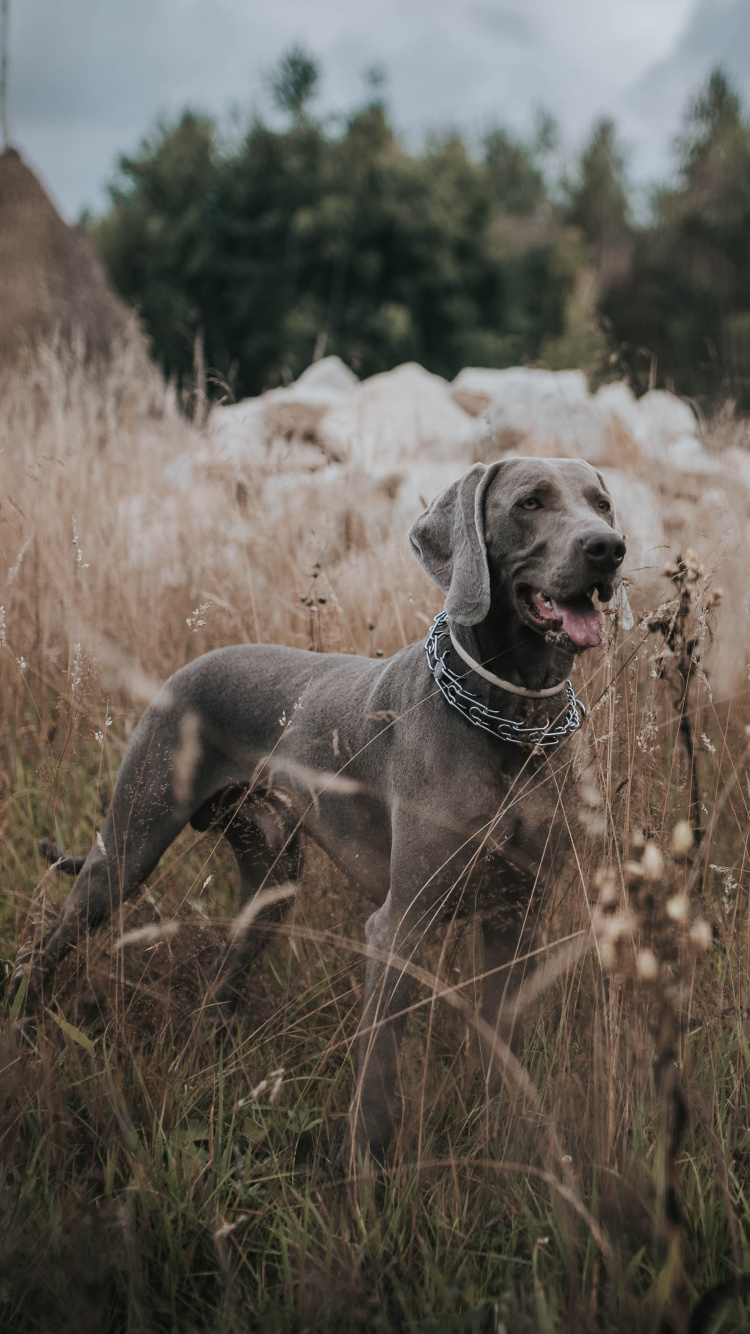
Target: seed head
{"points": [[700, 934], [647, 965], [677, 908], [682, 839], [652, 863]]}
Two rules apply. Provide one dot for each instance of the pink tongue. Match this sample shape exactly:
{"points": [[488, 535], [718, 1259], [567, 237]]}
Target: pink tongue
{"points": [[583, 624]]}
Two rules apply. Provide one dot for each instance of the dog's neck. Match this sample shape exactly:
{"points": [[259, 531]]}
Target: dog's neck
{"points": [[510, 649]]}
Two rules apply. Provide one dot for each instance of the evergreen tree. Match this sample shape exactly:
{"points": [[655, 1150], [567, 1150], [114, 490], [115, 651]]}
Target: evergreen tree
{"points": [[157, 239], [598, 199], [294, 82], [687, 299], [308, 239]]}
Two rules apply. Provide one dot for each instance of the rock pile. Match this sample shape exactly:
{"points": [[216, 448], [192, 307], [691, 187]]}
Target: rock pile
{"points": [[354, 463], [407, 415]]}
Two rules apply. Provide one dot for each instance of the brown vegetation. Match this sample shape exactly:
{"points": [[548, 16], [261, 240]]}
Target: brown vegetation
{"points": [[152, 1181], [52, 281]]}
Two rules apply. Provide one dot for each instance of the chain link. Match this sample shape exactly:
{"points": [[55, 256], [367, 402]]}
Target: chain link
{"points": [[544, 737]]}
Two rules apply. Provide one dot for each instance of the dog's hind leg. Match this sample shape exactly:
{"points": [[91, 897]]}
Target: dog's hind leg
{"points": [[265, 838], [168, 772], [117, 865]]}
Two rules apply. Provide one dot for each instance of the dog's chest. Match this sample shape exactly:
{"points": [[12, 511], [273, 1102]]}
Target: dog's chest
{"points": [[520, 842]]}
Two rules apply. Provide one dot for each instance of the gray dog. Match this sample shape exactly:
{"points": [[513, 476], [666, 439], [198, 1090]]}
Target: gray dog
{"points": [[433, 779]]}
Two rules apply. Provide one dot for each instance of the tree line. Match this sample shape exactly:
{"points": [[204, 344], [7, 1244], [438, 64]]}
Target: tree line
{"points": [[288, 243]]}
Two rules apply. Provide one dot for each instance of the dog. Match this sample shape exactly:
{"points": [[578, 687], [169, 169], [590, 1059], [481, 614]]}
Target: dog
{"points": [[432, 779]]}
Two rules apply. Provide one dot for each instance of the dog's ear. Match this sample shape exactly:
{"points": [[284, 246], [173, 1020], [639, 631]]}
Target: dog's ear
{"points": [[448, 541]]}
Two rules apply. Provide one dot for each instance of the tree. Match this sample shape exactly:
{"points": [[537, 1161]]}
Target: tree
{"points": [[340, 238], [294, 82], [687, 299], [598, 200], [157, 239], [714, 118], [515, 177]]}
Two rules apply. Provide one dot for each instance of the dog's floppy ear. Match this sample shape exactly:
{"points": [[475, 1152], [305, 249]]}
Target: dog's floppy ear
{"points": [[448, 541]]}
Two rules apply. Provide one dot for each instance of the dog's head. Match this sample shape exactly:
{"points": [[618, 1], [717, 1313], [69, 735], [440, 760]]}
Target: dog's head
{"points": [[536, 535]]}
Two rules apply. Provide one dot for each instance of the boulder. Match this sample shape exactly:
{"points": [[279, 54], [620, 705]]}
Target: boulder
{"points": [[639, 515], [295, 412], [247, 432], [403, 414], [536, 411], [237, 432]]}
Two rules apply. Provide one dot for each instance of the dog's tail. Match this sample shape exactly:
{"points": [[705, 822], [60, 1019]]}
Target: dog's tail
{"points": [[53, 856]]}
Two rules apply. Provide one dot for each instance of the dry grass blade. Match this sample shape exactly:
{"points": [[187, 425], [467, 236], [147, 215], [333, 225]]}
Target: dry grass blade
{"points": [[203, 1170]]}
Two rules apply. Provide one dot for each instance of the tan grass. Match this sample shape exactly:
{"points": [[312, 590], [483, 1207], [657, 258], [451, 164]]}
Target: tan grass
{"points": [[110, 579]]}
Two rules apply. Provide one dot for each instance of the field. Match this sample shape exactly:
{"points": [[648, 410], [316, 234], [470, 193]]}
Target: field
{"points": [[154, 1180]]}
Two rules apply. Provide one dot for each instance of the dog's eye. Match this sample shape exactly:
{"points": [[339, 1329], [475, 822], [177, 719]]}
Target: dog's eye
{"points": [[605, 505], [531, 503]]}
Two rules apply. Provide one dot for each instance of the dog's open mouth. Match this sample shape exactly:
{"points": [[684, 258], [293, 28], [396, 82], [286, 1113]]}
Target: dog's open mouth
{"points": [[578, 617]]}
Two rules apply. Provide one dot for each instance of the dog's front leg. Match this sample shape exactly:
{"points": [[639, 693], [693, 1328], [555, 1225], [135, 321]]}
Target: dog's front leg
{"points": [[392, 937], [507, 944], [424, 871]]}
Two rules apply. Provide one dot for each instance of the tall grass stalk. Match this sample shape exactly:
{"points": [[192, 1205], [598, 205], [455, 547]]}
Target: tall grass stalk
{"points": [[153, 1180]]}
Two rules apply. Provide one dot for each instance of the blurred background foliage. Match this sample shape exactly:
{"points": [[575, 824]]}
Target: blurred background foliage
{"points": [[305, 238]]}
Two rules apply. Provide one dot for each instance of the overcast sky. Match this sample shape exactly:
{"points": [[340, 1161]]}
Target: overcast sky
{"points": [[89, 78]]}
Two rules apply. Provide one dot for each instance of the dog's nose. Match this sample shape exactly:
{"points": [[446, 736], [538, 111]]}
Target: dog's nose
{"points": [[602, 549]]}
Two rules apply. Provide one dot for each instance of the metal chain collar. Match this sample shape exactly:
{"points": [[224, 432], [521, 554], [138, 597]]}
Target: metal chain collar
{"points": [[545, 736]]}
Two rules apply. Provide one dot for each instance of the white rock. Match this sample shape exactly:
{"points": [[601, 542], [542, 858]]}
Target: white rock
{"points": [[666, 418], [688, 455], [241, 432], [552, 412], [548, 412], [283, 488], [296, 411], [238, 429], [639, 517], [669, 435], [329, 375], [419, 482], [179, 473], [620, 423], [403, 414]]}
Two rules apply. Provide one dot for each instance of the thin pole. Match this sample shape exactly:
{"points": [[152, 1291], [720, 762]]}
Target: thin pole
{"points": [[4, 24]]}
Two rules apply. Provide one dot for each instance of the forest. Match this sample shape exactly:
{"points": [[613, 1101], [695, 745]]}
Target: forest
{"points": [[277, 244]]}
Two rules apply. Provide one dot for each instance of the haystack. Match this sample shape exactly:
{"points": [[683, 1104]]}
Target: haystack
{"points": [[52, 282]]}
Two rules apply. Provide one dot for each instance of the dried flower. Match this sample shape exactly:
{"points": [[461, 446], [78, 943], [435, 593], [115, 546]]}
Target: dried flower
{"points": [[647, 965], [677, 907], [84, 565], [195, 622], [700, 934], [652, 863], [682, 839]]}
